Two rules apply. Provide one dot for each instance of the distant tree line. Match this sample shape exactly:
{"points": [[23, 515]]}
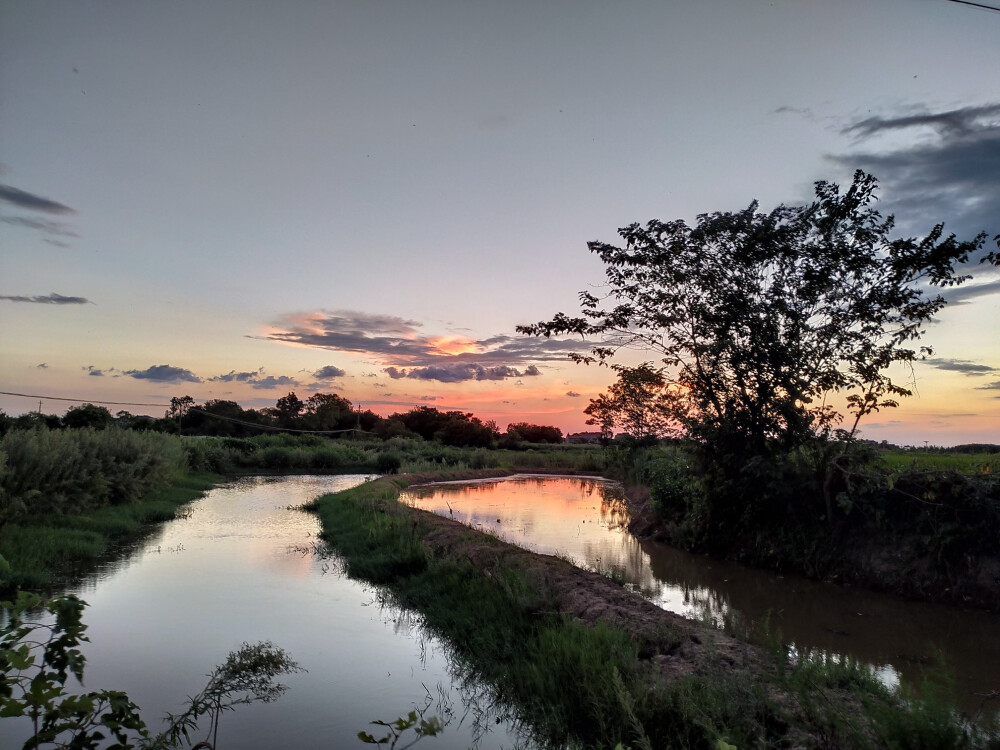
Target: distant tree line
{"points": [[326, 413]]}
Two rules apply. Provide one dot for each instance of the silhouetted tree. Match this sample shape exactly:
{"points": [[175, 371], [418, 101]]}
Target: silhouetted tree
{"points": [[758, 319], [641, 404], [287, 410], [88, 415], [534, 433], [328, 411]]}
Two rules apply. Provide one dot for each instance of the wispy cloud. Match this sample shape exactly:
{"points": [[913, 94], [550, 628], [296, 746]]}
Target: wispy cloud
{"points": [[42, 366], [948, 171], [48, 226], [994, 386], [573, 394], [48, 299], [32, 202], [51, 229], [164, 374], [963, 366], [408, 352], [461, 371]]}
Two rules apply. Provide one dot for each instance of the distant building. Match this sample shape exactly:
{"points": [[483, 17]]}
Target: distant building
{"points": [[584, 437]]}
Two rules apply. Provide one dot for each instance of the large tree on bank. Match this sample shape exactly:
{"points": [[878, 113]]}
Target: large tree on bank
{"points": [[758, 318]]}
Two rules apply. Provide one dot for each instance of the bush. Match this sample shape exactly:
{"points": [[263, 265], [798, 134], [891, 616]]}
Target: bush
{"points": [[388, 463], [66, 472], [276, 457], [325, 458], [208, 454]]}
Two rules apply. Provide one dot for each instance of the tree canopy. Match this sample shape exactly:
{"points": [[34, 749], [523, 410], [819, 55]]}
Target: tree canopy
{"points": [[759, 318]]}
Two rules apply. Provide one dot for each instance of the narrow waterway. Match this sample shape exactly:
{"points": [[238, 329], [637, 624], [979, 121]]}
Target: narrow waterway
{"points": [[586, 521], [241, 566]]}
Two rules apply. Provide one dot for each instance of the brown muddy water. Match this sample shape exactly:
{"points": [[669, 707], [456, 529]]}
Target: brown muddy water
{"points": [[585, 520], [241, 566]]}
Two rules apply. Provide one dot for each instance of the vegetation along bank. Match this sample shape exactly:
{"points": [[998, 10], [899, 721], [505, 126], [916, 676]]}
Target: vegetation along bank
{"points": [[585, 662]]}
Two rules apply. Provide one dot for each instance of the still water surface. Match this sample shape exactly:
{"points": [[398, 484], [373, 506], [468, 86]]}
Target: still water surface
{"points": [[240, 567], [585, 520]]}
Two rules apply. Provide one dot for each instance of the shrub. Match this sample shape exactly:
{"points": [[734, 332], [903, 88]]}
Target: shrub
{"points": [[388, 463], [66, 472], [325, 458], [276, 457]]}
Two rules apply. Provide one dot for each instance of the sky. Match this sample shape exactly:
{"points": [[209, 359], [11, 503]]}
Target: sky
{"points": [[235, 200]]}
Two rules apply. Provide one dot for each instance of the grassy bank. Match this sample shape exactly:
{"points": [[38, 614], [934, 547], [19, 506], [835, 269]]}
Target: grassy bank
{"points": [[67, 496], [526, 626], [42, 551], [917, 524]]}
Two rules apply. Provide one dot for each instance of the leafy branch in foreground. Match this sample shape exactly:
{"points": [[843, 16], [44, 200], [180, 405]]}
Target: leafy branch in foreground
{"points": [[247, 676], [37, 659]]}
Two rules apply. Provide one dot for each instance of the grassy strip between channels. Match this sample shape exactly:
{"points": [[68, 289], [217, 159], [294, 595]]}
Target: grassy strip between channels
{"points": [[608, 683], [39, 551]]}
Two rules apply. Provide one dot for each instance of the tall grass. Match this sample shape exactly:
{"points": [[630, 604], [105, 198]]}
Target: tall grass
{"points": [[65, 472], [919, 460]]}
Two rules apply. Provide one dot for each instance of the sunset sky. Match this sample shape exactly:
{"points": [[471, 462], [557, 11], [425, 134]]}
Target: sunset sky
{"points": [[240, 199]]}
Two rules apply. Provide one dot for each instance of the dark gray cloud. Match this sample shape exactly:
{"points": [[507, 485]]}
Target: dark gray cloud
{"points": [[949, 172], [42, 366], [961, 294], [994, 386], [428, 398], [275, 381], [94, 372], [573, 394], [961, 365], [32, 202], [164, 374], [238, 377], [257, 379], [48, 299], [329, 373], [48, 226], [459, 372]]}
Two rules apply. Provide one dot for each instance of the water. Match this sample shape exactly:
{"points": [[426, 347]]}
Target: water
{"points": [[241, 567], [586, 521]]}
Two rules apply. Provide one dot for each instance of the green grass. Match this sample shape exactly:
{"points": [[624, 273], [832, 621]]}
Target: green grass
{"points": [[919, 460], [39, 549], [580, 686]]}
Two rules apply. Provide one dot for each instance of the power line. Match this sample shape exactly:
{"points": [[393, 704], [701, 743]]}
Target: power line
{"points": [[78, 400], [976, 5], [271, 428]]}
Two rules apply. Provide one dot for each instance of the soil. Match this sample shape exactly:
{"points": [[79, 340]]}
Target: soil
{"points": [[676, 644]]}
